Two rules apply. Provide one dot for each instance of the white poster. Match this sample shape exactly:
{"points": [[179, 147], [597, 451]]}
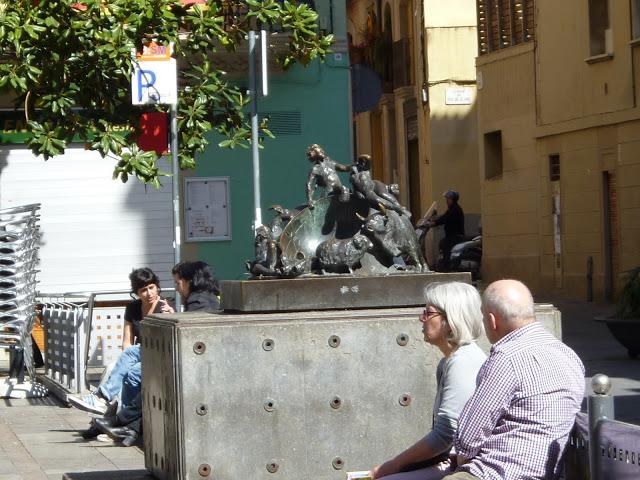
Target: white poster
{"points": [[207, 209]]}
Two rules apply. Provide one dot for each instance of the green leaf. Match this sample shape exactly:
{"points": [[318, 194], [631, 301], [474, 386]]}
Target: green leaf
{"points": [[75, 66]]}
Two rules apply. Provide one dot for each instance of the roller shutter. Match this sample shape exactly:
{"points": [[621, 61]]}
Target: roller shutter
{"points": [[94, 230]]}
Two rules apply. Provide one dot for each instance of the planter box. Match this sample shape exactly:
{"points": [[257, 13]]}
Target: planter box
{"points": [[626, 331]]}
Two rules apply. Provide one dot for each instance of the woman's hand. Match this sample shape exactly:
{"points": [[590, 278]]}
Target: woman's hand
{"points": [[165, 307]]}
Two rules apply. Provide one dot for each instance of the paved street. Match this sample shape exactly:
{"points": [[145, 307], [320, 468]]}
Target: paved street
{"points": [[40, 440], [601, 353], [40, 437]]}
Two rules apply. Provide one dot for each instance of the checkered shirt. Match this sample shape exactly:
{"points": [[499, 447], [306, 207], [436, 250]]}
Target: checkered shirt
{"points": [[516, 424]]}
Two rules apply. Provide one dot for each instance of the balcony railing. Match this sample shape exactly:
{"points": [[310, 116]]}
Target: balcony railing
{"points": [[403, 63]]}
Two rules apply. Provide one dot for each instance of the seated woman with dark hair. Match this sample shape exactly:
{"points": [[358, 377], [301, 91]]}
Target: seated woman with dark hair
{"points": [[199, 289], [126, 375], [197, 285]]}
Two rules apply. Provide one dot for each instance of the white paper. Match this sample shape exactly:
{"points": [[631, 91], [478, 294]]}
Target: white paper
{"points": [[362, 475]]}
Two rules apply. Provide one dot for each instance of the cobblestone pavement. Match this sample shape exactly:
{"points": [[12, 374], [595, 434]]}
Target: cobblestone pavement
{"points": [[39, 439]]}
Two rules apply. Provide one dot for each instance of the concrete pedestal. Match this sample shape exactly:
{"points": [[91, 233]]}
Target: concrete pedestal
{"points": [[289, 396]]}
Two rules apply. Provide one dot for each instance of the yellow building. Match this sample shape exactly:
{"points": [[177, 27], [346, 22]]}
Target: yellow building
{"points": [[559, 138], [422, 133]]}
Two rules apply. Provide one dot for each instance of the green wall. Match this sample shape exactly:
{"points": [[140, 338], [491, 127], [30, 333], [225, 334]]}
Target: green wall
{"points": [[320, 93]]}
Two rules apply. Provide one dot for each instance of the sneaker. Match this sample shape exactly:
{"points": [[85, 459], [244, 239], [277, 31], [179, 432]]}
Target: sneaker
{"points": [[104, 438], [89, 403]]}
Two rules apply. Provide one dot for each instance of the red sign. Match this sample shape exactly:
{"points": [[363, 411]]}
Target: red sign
{"points": [[153, 133]]}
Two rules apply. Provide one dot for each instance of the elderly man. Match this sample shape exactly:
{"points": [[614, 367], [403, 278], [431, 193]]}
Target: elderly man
{"points": [[516, 424]]}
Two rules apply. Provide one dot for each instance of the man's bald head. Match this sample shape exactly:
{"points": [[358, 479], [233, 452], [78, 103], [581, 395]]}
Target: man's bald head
{"points": [[511, 302]]}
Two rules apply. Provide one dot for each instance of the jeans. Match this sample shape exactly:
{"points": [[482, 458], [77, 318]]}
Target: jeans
{"points": [[129, 361], [131, 396]]}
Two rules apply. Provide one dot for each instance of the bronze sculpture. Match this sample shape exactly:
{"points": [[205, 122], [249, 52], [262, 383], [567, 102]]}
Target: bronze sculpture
{"points": [[374, 191], [336, 256], [266, 249], [361, 232], [324, 173], [394, 235]]}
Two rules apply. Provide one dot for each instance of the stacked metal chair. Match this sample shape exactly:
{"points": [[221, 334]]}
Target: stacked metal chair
{"points": [[19, 237]]}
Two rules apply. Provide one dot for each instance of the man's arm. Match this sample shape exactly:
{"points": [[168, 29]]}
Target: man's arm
{"points": [[497, 385], [442, 219]]}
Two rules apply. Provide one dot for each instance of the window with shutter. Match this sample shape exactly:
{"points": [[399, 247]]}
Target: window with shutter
{"points": [[504, 23]]}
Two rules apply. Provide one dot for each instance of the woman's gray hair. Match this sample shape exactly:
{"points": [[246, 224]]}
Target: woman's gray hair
{"points": [[461, 304]]}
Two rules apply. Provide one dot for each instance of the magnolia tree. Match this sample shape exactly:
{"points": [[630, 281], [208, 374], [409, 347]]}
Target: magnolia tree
{"points": [[69, 65]]}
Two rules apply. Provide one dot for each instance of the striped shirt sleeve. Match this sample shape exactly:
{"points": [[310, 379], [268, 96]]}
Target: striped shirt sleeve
{"points": [[497, 384]]}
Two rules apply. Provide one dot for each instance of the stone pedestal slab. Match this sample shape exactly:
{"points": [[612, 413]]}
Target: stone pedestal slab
{"points": [[331, 292]]}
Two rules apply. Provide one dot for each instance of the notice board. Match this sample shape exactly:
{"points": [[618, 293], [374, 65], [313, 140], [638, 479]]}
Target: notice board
{"points": [[207, 210]]}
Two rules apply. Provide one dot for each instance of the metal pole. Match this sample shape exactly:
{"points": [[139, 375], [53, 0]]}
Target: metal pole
{"points": [[176, 194], [600, 407], [264, 62], [255, 154]]}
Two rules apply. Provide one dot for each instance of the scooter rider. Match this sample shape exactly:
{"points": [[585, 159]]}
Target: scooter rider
{"points": [[453, 221]]}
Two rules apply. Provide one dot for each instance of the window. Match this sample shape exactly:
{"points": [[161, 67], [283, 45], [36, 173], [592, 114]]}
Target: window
{"points": [[504, 23], [492, 154], [554, 167], [635, 18], [600, 37]]}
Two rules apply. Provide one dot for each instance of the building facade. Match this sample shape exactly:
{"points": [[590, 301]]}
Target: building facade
{"points": [[559, 133], [421, 133]]}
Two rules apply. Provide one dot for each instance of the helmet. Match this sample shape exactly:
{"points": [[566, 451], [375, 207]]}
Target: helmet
{"points": [[452, 194]]}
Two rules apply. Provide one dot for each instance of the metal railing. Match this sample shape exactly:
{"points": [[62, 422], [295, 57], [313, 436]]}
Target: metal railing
{"points": [[600, 447], [76, 329]]}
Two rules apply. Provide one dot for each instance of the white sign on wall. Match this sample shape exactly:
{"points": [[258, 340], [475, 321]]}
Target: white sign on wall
{"points": [[154, 82], [207, 210], [459, 96]]}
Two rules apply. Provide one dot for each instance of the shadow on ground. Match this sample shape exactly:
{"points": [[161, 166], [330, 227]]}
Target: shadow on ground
{"points": [[601, 353], [118, 474]]}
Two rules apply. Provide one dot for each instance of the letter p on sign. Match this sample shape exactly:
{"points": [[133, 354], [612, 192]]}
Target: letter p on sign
{"points": [[154, 82], [146, 81]]}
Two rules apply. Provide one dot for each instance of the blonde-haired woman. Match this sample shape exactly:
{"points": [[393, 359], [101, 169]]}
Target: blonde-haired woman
{"points": [[452, 322]]}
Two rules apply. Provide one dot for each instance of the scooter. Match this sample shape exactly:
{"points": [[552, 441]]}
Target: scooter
{"points": [[466, 256]]}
